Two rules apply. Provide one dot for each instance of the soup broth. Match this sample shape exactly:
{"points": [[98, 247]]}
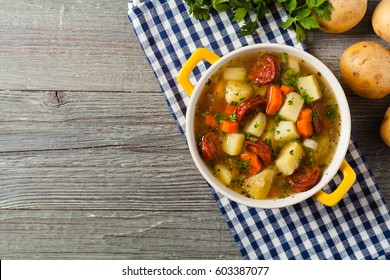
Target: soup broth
{"points": [[267, 125]]}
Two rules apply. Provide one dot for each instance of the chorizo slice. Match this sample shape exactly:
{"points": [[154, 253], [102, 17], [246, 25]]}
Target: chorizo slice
{"points": [[301, 182], [264, 69], [320, 121], [249, 105], [208, 147], [262, 150]]}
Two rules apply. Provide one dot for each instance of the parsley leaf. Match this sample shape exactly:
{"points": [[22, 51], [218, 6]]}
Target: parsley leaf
{"points": [[325, 11], [301, 34], [309, 22], [240, 14], [302, 14], [248, 28], [302, 17], [219, 117], [221, 5]]}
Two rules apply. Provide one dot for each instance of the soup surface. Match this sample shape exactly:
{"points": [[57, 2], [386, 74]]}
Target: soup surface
{"points": [[267, 125]]}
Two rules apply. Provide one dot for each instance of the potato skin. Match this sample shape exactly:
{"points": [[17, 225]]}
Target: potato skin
{"points": [[381, 20], [365, 68], [346, 14], [385, 128]]}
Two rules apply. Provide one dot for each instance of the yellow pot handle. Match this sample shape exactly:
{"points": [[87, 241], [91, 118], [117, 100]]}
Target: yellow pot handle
{"points": [[333, 198], [184, 75]]}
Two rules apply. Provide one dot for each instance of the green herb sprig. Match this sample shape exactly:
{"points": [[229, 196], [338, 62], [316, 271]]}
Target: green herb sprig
{"points": [[302, 14]]}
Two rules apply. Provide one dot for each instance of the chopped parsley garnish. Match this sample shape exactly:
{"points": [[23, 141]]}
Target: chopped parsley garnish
{"points": [[219, 117], [248, 136], [305, 95], [283, 57], [289, 78], [243, 166], [268, 141], [331, 112], [277, 118], [311, 157], [315, 114], [233, 117]]}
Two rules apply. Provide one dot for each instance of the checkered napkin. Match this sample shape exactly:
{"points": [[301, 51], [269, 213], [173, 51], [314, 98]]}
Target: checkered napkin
{"points": [[357, 228]]}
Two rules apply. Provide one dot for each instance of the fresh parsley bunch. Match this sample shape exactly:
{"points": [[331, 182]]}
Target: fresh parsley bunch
{"points": [[302, 14]]}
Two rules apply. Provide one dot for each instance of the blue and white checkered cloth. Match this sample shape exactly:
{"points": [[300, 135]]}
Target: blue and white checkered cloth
{"points": [[358, 227]]}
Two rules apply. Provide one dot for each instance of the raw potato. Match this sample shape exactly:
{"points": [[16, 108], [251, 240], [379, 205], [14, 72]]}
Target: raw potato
{"points": [[385, 128], [381, 20], [365, 68], [346, 14]]}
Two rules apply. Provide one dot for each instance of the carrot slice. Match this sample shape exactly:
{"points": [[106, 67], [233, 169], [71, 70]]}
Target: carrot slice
{"points": [[210, 120], [275, 99], [254, 162], [229, 126], [230, 109], [286, 89], [304, 123]]}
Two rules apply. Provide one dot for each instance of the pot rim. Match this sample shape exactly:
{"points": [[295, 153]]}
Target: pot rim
{"points": [[342, 146]]}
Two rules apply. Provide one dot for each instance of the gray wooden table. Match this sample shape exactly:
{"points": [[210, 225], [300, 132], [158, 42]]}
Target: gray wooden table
{"points": [[92, 165]]}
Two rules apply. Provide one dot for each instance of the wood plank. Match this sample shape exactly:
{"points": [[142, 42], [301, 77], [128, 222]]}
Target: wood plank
{"points": [[65, 120], [92, 165], [71, 45], [92, 234], [128, 177]]}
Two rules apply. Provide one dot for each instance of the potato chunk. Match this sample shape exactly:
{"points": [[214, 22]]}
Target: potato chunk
{"points": [[269, 134], [223, 173], [237, 92], [308, 86], [289, 158], [261, 90], [232, 143], [259, 185], [286, 131], [291, 107], [310, 143], [256, 125], [293, 63], [235, 74]]}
